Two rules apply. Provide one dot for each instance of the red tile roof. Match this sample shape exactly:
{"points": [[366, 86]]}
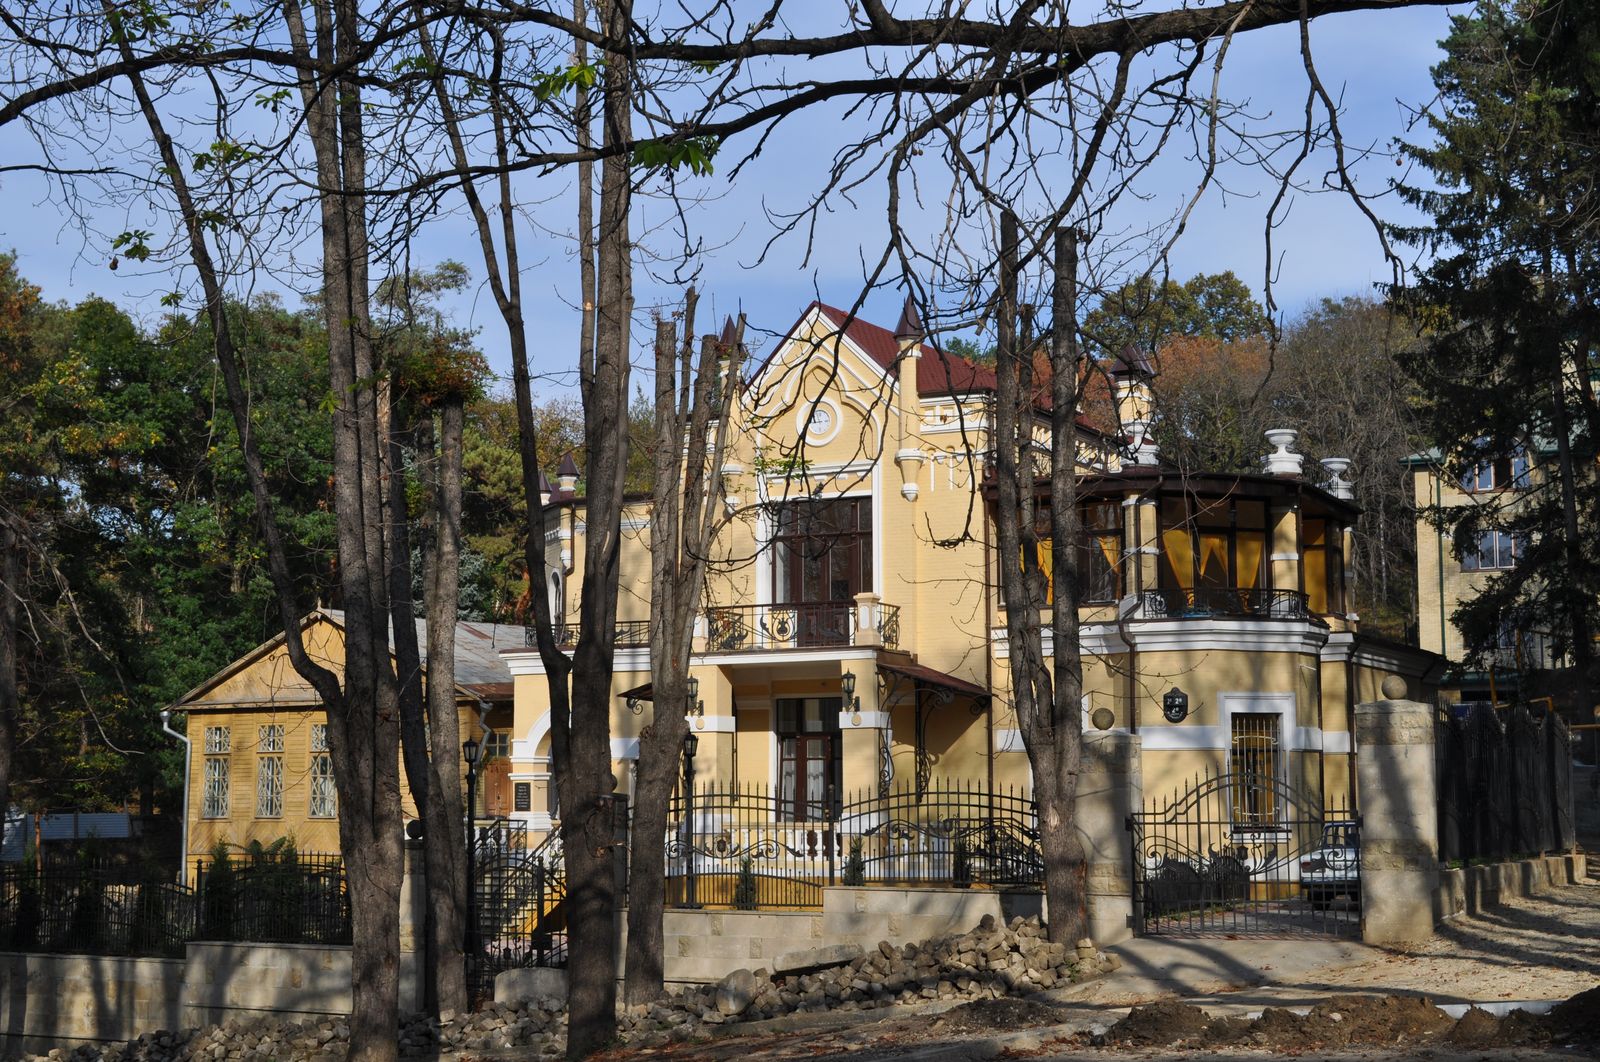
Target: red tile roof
{"points": [[938, 372]]}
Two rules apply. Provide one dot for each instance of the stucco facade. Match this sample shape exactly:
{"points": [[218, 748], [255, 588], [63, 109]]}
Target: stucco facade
{"points": [[861, 542]]}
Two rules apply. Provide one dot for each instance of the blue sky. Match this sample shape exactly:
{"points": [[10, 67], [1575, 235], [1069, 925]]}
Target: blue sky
{"points": [[1375, 63]]}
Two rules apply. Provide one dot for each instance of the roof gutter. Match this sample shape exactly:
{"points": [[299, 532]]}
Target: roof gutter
{"points": [[188, 761]]}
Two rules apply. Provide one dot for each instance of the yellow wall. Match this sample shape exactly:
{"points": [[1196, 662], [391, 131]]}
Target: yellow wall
{"points": [[262, 689], [920, 459]]}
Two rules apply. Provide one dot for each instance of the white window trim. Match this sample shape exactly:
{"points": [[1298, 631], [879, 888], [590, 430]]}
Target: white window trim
{"points": [[1282, 704], [226, 787], [263, 810]]}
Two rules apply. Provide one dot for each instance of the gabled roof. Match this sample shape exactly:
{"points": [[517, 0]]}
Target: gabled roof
{"points": [[938, 372], [479, 670]]}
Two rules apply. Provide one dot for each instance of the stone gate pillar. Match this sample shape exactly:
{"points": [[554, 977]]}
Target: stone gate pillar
{"points": [[1110, 788], [1397, 793]]}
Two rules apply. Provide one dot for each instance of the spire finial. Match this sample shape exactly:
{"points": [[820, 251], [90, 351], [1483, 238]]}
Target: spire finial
{"points": [[910, 329]]}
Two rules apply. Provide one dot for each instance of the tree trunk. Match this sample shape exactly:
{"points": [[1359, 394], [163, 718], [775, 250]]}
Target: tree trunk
{"points": [[1046, 701], [363, 732], [587, 784], [1062, 744], [445, 851], [364, 737], [408, 669], [10, 702]]}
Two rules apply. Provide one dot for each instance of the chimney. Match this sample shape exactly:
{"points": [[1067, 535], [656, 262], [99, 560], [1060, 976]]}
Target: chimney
{"points": [[544, 488], [1281, 462], [1338, 486], [908, 334], [567, 475]]}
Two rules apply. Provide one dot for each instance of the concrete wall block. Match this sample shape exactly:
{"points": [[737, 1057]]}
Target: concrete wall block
{"points": [[1398, 796]]}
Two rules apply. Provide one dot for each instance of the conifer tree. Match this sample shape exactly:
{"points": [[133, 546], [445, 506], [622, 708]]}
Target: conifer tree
{"points": [[1507, 369]]}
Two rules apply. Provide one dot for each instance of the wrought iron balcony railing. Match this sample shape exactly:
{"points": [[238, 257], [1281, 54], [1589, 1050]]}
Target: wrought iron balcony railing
{"points": [[733, 628], [1206, 602], [631, 634]]}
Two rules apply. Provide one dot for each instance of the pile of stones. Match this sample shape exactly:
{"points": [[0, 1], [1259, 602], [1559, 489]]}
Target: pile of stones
{"points": [[990, 961]]}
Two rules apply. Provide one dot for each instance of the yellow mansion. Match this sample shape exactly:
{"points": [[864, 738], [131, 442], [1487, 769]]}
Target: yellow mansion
{"points": [[853, 631]]}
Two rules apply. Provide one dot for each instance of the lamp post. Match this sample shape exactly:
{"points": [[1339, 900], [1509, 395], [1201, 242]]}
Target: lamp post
{"points": [[691, 745], [470, 751]]}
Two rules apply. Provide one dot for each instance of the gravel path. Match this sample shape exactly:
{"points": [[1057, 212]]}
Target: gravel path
{"points": [[1535, 948]]}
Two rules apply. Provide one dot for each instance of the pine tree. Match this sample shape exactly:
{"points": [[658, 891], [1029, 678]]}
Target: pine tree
{"points": [[1507, 369]]}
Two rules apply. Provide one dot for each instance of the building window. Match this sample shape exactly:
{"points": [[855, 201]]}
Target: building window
{"points": [[324, 803], [1322, 564], [1213, 544], [214, 797], [319, 737], [822, 550], [1496, 551], [497, 746], [219, 741], [270, 738], [1099, 554], [1256, 764], [269, 787], [810, 757], [1501, 473]]}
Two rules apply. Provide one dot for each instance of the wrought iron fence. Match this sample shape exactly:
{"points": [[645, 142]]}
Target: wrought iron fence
{"points": [[93, 910], [1207, 861], [755, 847], [1203, 601], [495, 835], [1504, 780], [278, 897]]}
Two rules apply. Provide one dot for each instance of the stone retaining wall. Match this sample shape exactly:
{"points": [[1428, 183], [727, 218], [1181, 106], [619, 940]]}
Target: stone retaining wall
{"points": [[50, 1000], [704, 946], [1469, 890]]}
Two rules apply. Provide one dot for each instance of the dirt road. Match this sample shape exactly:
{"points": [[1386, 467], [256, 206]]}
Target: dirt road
{"points": [[1533, 949]]}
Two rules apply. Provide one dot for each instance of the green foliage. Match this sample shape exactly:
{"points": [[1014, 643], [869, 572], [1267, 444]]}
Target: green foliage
{"points": [[1145, 315], [547, 87], [1510, 364], [691, 153], [855, 864], [746, 887]]}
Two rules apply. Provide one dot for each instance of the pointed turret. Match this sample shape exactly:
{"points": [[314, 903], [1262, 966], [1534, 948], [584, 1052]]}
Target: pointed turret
{"points": [[567, 474], [545, 490], [910, 331], [909, 334], [1131, 375]]}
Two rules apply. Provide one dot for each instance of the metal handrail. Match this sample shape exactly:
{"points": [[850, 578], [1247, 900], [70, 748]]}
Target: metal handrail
{"points": [[1202, 602], [809, 624]]}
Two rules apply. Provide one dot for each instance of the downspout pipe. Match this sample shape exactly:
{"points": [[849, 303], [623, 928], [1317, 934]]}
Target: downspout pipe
{"points": [[188, 763]]}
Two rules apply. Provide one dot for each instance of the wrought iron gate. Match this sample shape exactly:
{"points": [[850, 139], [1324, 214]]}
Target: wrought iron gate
{"points": [[519, 912], [1245, 854]]}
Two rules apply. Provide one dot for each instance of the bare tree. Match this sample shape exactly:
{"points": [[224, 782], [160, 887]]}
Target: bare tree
{"points": [[693, 404], [1045, 698]]}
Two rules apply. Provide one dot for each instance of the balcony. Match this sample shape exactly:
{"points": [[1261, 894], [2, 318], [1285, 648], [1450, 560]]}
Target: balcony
{"points": [[1223, 602], [630, 634], [820, 625]]}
